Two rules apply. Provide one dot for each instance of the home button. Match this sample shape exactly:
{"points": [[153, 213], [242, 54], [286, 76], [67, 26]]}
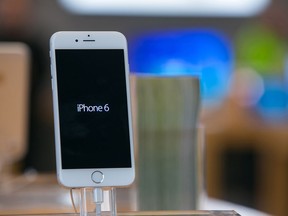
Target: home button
{"points": [[97, 177]]}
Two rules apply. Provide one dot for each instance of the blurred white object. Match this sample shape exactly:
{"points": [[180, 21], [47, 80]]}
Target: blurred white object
{"points": [[232, 8], [14, 91]]}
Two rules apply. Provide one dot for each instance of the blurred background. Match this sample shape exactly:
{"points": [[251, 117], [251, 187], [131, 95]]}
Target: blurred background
{"points": [[238, 49]]}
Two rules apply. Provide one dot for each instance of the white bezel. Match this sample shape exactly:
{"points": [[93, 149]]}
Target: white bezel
{"points": [[89, 40]]}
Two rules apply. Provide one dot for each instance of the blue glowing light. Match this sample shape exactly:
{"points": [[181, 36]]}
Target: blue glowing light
{"points": [[274, 102], [198, 52]]}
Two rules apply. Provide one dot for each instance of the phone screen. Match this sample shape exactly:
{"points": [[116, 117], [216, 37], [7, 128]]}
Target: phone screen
{"points": [[93, 112]]}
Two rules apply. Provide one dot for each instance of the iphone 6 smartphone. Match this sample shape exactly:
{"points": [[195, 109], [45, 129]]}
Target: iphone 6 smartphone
{"points": [[92, 109]]}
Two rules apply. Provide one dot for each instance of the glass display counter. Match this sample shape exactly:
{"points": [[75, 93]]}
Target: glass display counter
{"points": [[149, 213], [42, 195]]}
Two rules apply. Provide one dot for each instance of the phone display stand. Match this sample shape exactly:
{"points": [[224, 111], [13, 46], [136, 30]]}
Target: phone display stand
{"points": [[108, 204]]}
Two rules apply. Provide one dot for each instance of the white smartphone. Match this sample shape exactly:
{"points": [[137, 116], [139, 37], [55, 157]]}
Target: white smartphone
{"points": [[92, 109]]}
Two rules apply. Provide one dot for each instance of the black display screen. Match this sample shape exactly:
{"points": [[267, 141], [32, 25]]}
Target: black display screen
{"points": [[93, 112]]}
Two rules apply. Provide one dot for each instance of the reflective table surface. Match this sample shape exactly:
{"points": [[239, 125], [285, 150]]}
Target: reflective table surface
{"points": [[34, 194], [152, 213]]}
